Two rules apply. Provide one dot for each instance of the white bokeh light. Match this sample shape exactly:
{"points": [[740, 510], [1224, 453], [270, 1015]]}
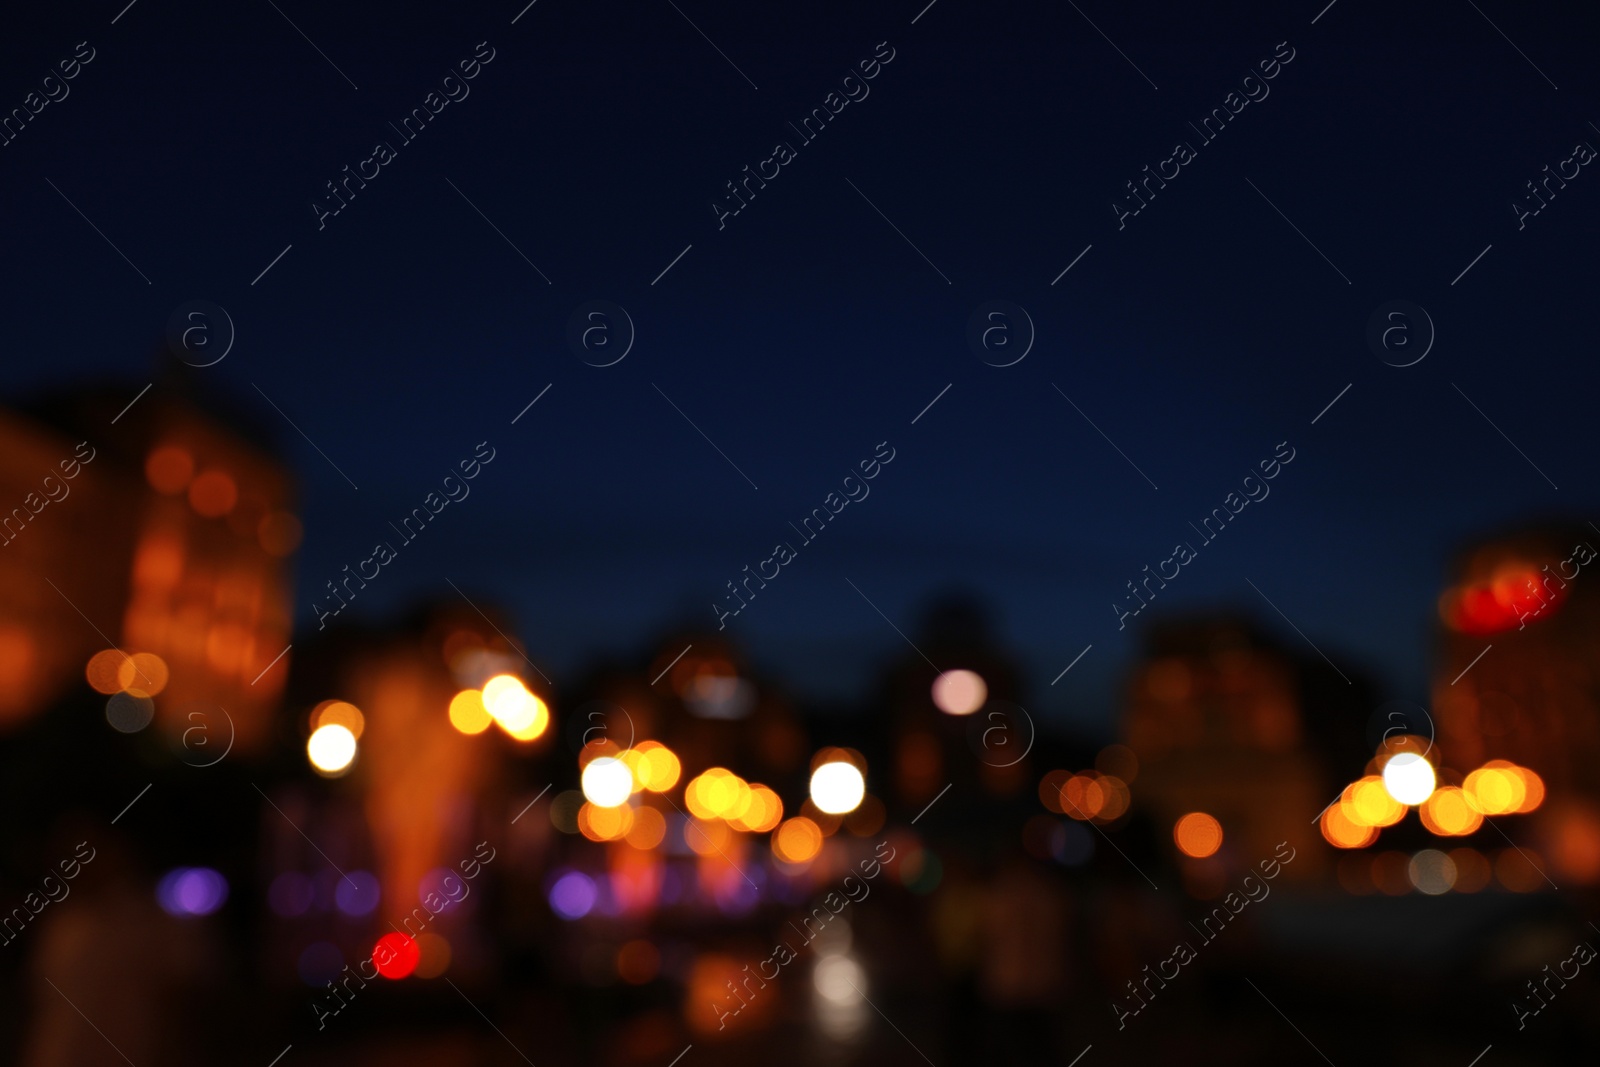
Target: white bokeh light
{"points": [[959, 692], [607, 782], [837, 788], [331, 748], [1408, 778]]}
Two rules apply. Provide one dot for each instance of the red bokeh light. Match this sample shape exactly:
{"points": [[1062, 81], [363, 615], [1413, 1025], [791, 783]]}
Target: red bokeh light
{"points": [[395, 955], [1514, 596]]}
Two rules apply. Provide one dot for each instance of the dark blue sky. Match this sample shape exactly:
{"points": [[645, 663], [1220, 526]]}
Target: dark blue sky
{"points": [[808, 330]]}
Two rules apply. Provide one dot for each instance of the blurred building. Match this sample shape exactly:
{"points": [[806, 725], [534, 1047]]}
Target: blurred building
{"points": [[1517, 679], [1214, 717], [165, 534]]}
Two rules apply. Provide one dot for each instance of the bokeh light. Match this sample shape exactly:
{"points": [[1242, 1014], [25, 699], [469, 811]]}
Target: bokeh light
{"points": [[1340, 832], [396, 955], [1197, 835], [1367, 802], [797, 840], [467, 713], [143, 674], [291, 894], [339, 713], [189, 891], [572, 895], [331, 749], [607, 782], [105, 671], [1432, 872], [521, 714], [1408, 777], [648, 829], [959, 692], [664, 766], [213, 494], [433, 955], [169, 469], [129, 714], [1448, 812], [356, 894], [837, 788]]}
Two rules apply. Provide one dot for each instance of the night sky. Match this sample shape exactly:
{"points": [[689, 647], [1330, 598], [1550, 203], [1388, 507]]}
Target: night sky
{"points": [[822, 318]]}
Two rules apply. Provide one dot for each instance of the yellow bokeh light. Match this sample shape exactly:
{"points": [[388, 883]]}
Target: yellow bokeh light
{"points": [[1533, 790], [691, 798], [331, 749], [638, 764], [339, 713], [1448, 812], [1496, 788], [536, 726], [1367, 803], [763, 813], [797, 841], [467, 712], [664, 766], [1197, 835]]}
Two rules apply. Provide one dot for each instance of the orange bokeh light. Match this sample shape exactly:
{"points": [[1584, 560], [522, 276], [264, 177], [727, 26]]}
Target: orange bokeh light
{"points": [[169, 469], [605, 824], [648, 829], [1197, 835], [213, 494], [339, 713], [143, 674], [1448, 812], [105, 670], [1340, 832], [797, 840]]}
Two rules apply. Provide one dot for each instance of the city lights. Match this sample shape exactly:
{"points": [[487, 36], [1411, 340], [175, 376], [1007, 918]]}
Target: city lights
{"points": [[797, 841], [467, 713], [331, 749], [959, 692], [837, 788], [1197, 835], [607, 782], [1408, 777], [395, 955], [520, 713], [339, 713]]}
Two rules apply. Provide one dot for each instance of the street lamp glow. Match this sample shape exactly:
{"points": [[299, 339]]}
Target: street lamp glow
{"points": [[959, 692], [607, 782], [837, 788], [331, 748], [1408, 778]]}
